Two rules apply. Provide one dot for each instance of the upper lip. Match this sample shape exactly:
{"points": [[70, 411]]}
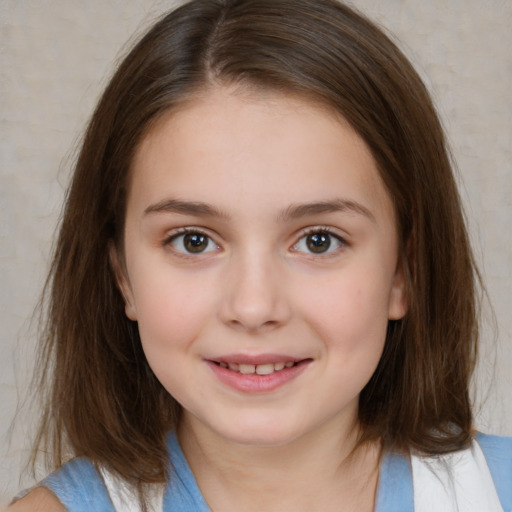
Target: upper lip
{"points": [[256, 359]]}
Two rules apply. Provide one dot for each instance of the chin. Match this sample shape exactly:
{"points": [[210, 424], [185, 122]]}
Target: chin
{"points": [[260, 433]]}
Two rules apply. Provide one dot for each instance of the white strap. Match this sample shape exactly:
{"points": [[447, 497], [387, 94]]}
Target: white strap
{"points": [[125, 499], [457, 482]]}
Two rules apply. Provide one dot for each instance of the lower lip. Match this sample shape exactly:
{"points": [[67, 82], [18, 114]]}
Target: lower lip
{"points": [[254, 383]]}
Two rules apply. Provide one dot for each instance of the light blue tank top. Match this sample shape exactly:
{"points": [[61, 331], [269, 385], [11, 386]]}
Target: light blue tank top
{"points": [[80, 488]]}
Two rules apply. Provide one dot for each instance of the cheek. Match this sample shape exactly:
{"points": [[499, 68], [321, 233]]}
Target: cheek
{"points": [[170, 319], [350, 312], [170, 311]]}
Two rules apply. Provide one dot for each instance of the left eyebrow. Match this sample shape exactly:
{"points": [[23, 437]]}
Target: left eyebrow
{"points": [[296, 211]]}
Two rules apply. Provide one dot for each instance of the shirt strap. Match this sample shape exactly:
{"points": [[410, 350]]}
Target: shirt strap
{"points": [[498, 454], [460, 481], [79, 487], [395, 489]]}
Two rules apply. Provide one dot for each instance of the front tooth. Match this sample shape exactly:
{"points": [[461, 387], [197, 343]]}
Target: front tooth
{"points": [[233, 366], [246, 368], [278, 367], [265, 369], [223, 365]]}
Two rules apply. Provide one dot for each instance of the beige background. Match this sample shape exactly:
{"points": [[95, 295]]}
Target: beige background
{"points": [[55, 58]]}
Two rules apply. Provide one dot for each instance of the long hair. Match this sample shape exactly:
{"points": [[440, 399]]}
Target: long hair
{"points": [[104, 401]]}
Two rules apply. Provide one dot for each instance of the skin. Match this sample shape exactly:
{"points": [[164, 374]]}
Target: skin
{"points": [[257, 288], [39, 500], [258, 174]]}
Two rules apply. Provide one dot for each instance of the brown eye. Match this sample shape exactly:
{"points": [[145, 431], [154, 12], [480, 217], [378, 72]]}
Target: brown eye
{"points": [[192, 243], [195, 242], [318, 242]]}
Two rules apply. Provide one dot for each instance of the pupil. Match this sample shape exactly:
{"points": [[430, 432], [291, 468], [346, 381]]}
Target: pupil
{"points": [[195, 242], [318, 242]]}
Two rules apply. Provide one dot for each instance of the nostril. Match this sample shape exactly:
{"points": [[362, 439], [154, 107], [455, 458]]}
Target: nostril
{"points": [[254, 326]]}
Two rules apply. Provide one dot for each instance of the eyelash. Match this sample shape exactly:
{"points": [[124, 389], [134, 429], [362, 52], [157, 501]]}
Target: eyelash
{"points": [[317, 230]]}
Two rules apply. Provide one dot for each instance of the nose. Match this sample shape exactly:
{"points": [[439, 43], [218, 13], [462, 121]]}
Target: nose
{"points": [[255, 295]]}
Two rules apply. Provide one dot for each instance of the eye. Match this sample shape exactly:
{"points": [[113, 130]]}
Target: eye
{"points": [[192, 242], [318, 242]]}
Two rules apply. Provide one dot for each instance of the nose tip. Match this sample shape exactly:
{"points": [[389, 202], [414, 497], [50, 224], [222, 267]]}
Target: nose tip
{"points": [[255, 313], [255, 301]]}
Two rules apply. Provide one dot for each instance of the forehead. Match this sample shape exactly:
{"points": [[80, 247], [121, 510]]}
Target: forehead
{"points": [[264, 147]]}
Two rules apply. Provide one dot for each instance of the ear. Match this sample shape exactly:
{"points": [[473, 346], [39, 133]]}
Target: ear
{"points": [[398, 299], [122, 282]]}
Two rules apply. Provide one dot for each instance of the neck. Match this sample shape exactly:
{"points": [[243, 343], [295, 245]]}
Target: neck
{"points": [[318, 471]]}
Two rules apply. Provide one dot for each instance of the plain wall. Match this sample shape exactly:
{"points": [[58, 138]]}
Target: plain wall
{"points": [[55, 57]]}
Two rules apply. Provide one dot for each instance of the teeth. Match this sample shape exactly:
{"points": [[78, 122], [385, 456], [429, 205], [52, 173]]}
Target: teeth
{"points": [[259, 369], [265, 369], [246, 369]]}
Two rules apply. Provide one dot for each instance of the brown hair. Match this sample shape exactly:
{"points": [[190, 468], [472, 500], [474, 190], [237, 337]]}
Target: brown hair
{"points": [[105, 402]]}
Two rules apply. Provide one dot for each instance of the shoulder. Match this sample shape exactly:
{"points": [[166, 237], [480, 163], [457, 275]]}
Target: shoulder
{"points": [[496, 446], [38, 500], [497, 451], [480, 474], [79, 486], [76, 486]]}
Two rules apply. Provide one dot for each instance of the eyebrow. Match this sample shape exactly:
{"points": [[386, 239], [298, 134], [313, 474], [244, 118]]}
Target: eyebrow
{"points": [[296, 211], [196, 208], [292, 212]]}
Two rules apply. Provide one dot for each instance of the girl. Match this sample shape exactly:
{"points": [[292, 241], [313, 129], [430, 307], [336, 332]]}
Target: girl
{"points": [[262, 295]]}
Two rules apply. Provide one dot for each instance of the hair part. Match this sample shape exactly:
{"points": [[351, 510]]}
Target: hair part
{"points": [[105, 402]]}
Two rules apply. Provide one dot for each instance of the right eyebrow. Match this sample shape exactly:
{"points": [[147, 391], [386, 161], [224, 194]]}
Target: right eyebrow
{"points": [[196, 208]]}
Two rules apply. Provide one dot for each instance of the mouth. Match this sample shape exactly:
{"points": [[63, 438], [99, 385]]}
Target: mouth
{"points": [[257, 374], [257, 369]]}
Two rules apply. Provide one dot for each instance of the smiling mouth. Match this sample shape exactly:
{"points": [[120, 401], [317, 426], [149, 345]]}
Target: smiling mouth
{"points": [[257, 369], [263, 373]]}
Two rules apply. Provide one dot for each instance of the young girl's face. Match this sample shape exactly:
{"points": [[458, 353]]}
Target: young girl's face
{"points": [[261, 265]]}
